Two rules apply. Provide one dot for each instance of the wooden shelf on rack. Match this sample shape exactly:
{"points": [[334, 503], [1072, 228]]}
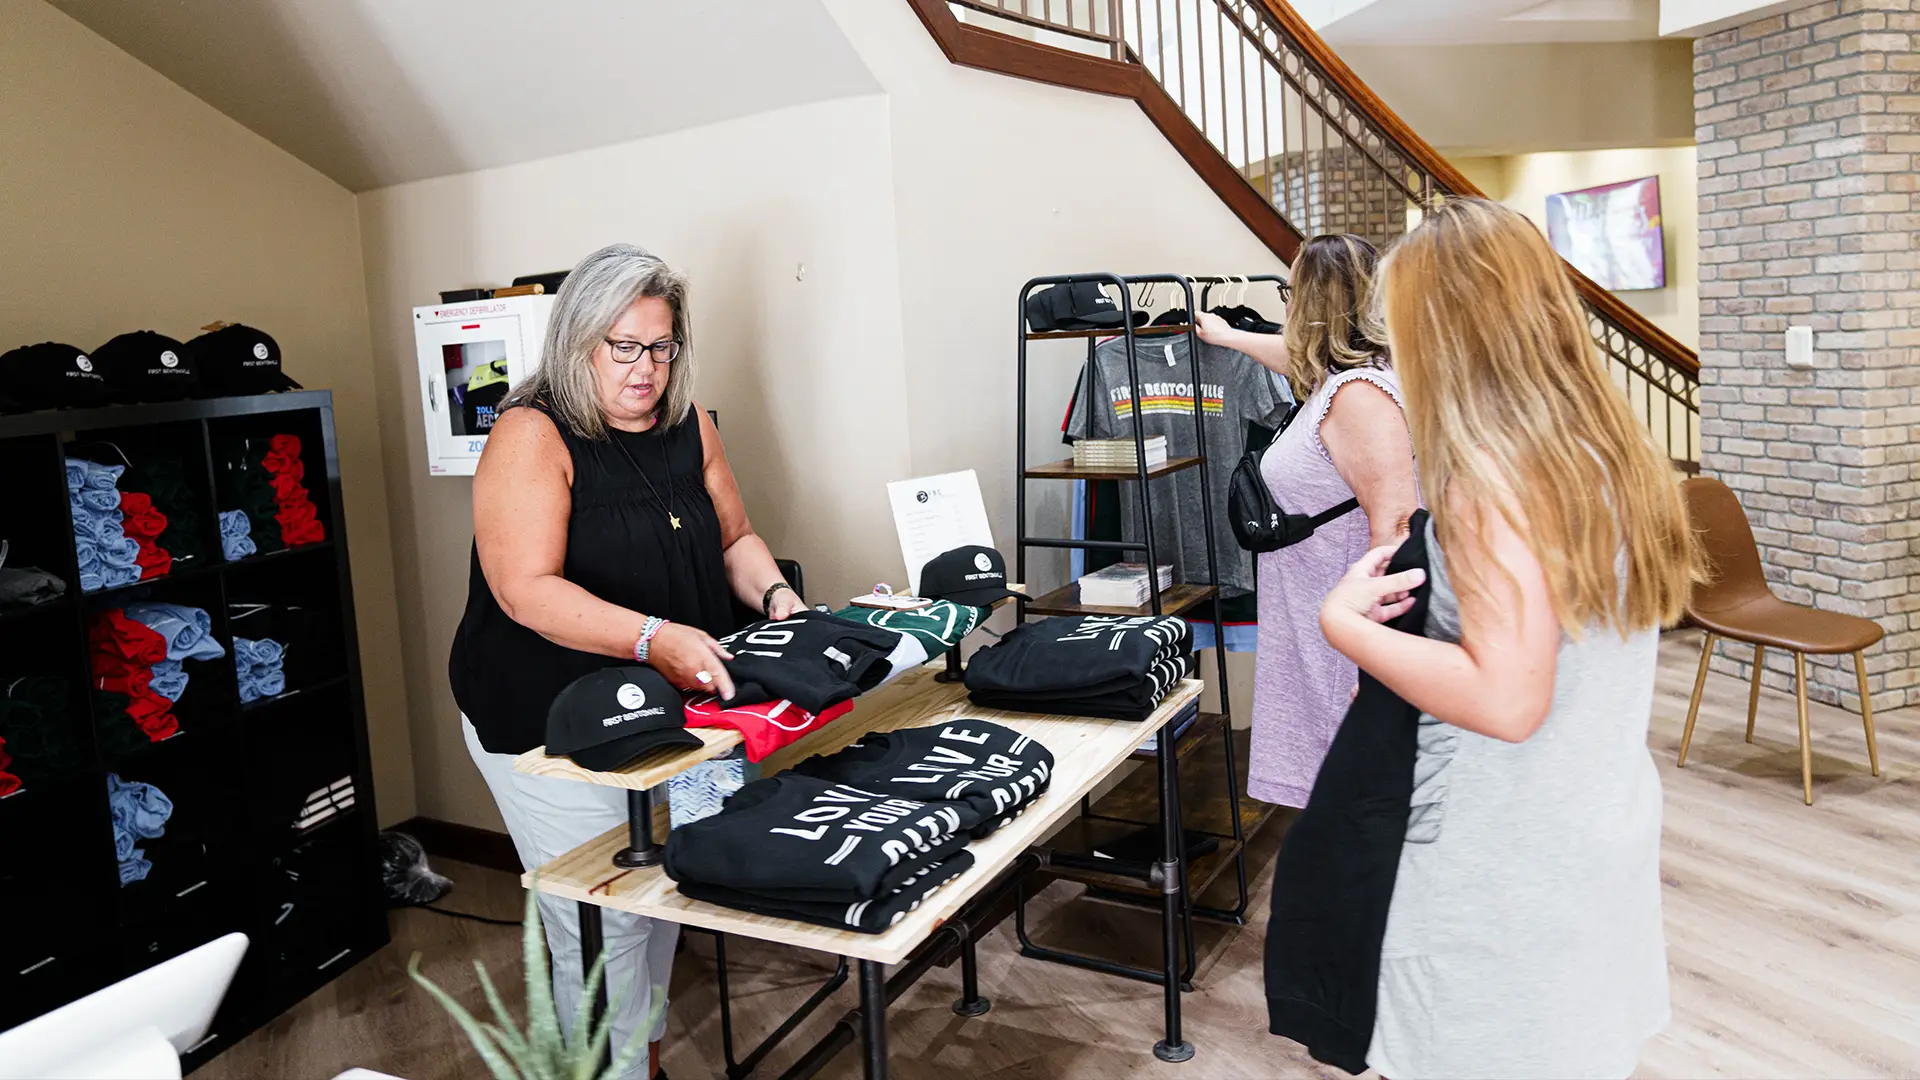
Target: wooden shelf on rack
{"points": [[1113, 331], [1176, 600], [1065, 469], [1203, 808]]}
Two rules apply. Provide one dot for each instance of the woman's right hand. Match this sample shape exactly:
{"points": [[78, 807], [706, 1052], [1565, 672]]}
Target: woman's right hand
{"points": [[684, 653], [1213, 329]]}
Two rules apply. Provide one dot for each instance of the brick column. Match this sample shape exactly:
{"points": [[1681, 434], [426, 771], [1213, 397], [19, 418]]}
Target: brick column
{"points": [[1808, 126]]}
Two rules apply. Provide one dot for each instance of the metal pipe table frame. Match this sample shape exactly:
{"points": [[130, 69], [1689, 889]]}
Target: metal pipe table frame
{"points": [[946, 923]]}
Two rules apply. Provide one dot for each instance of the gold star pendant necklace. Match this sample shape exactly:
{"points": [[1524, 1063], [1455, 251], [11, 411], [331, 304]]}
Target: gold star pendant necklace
{"points": [[666, 503]]}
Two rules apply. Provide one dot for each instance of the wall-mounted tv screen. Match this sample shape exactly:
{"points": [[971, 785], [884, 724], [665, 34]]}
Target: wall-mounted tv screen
{"points": [[1611, 233]]}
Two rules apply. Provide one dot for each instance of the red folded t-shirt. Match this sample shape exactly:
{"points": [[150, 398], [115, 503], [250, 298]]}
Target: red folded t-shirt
{"points": [[154, 561], [164, 726], [300, 526], [139, 519], [767, 726], [113, 634], [132, 680]]}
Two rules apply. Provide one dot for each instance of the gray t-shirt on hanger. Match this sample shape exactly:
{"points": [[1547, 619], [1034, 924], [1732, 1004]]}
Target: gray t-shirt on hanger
{"points": [[1234, 389]]}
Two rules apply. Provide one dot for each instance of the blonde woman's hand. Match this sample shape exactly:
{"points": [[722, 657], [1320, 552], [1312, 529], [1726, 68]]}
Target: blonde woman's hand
{"points": [[683, 654], [1213, 329], [1368, 592]]}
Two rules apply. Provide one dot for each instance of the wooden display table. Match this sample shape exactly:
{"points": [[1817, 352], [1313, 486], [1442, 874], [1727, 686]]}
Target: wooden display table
{"points": [[1085, 751]]}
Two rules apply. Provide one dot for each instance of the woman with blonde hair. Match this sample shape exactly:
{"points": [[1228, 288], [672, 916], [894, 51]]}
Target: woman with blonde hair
{"points": [[1524, 933], [1348, 441]]}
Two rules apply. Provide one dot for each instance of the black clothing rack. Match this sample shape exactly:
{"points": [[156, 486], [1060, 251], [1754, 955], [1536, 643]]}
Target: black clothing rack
{"points": [[1106, 878]]}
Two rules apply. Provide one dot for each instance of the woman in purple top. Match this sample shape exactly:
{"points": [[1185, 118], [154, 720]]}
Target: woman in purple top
{"points": [[1348, 441]]}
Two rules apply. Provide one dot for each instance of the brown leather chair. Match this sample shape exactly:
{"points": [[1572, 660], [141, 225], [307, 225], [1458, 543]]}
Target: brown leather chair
{"points": [[1738, 605]]}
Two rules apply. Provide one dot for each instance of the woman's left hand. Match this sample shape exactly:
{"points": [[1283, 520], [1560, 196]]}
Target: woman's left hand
{"points": [[1368, 592], [785, 602]]}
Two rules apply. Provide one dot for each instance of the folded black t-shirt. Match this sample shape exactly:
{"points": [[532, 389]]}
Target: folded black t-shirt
{"points": [[860, 916], [795, 832], [1075, 653], [986, 767], [812, 659], [1136, 701]]}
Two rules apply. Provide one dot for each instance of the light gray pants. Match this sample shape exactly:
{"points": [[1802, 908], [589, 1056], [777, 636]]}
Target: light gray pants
{"points": [[548, 818]]}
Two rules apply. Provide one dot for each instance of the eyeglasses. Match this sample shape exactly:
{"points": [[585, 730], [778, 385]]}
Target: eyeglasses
{"points": [[660, 352]]}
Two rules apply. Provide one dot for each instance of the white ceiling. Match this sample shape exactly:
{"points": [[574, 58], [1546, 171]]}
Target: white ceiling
{"points": [[380, 92], [1480, 22]]}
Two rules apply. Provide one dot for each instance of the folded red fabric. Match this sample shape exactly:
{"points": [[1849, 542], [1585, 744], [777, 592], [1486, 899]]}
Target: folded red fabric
{"points": [[154, 561], [140, 519], [131, 681], [288, 490], [164, 726], [300, 526], [116, 635]]}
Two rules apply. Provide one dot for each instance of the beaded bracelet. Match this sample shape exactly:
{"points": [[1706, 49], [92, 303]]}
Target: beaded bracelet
{"points": [[647, 630]]}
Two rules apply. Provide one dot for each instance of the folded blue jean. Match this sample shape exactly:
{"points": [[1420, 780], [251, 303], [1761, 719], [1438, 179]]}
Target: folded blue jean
{"points": [[268, 653], [271, 684], [99, 500], [169, 680], [124, 552], [106, 527], [112, 577], [236, 535], [235, 548], [92, 581], [135, 868], [76, 475], [102, 477], [88, 552], [249, 689], [235, 523], [189, 631]]}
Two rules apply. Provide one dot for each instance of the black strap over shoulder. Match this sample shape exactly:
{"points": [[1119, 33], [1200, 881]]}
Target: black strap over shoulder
{"points": [[1259, 523]]}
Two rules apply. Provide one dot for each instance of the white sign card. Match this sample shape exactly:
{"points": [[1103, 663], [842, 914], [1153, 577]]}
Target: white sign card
{"points": [[935, 514]]}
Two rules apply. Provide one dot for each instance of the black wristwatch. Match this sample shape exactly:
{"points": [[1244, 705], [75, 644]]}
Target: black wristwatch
{"points": [[766, 601]]}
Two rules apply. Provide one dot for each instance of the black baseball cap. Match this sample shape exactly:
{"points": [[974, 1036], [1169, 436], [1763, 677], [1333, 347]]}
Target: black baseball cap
{"points": [[146, 366], [973, 575], [238, 359], [609, 718], [48, 376], [1074, 305]]}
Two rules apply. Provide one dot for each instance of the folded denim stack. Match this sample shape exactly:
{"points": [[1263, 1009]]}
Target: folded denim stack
{"points": [[36, 729], [108, 557], [140, 812], [261, 668], [857, 840], [236, 536]]}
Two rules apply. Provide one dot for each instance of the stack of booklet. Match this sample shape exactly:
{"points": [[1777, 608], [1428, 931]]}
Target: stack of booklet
{"points": [[1118, 453], [1122, 585]]}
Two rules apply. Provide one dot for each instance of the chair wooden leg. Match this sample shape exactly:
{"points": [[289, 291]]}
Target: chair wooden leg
{"points": [[1693, 707], [1866, 711], [1753, 695], [1806, 736]]}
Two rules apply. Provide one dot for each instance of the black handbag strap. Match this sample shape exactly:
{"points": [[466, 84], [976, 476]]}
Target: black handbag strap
{"points": [[1332, 513]]}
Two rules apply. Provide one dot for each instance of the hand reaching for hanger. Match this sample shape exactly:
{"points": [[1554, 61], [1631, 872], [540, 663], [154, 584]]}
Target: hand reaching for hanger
{"points": [[1214, 330]]}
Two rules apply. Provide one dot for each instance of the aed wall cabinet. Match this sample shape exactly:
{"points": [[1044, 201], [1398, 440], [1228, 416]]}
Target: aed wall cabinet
{"points": [[470, 355]]}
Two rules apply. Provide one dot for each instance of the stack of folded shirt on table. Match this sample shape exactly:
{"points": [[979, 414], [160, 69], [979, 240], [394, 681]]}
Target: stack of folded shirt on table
{"points": [[260, 665], [36, 730], [263, 481], [108, 557], [1114, 667], [138, 655], [858, 839], [140, 812]]}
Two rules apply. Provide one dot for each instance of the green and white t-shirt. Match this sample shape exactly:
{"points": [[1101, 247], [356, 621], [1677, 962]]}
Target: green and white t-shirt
{"points": [[939, 627]]}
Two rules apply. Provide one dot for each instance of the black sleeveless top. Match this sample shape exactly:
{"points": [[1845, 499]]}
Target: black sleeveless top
{"points": [[622, 549]]}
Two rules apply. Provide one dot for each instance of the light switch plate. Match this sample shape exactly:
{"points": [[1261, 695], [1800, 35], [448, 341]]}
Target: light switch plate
{"points": [[1800, 347]]}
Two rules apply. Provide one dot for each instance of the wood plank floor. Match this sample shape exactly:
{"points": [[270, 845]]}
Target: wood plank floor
{"points": [[1793, 934]]}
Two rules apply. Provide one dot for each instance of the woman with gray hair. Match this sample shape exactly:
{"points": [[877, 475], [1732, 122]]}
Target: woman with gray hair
{"points": [[608, 530]]}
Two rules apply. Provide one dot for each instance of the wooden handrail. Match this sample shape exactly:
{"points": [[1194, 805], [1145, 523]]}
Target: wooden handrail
{"points": [[975, 47], [1362, 97]]}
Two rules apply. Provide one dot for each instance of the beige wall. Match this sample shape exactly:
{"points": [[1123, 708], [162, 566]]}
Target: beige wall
{"points": [[1525, 180], [1470, 100], [130, 204], [804, 366]]}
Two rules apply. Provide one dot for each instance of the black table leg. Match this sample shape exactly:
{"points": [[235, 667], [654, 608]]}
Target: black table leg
{"points": [[953, 671], [592, 944], [873, 1018], [1172, 873], [970, 1003], [641, 851]]}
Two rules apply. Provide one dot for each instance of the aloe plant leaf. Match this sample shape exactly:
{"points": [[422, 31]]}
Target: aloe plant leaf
{"points": [[543, 1022], [496, 1063], [506, 1032]]}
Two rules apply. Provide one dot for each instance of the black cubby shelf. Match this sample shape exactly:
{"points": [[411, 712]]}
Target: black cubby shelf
{"points": [[216, 869]]}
